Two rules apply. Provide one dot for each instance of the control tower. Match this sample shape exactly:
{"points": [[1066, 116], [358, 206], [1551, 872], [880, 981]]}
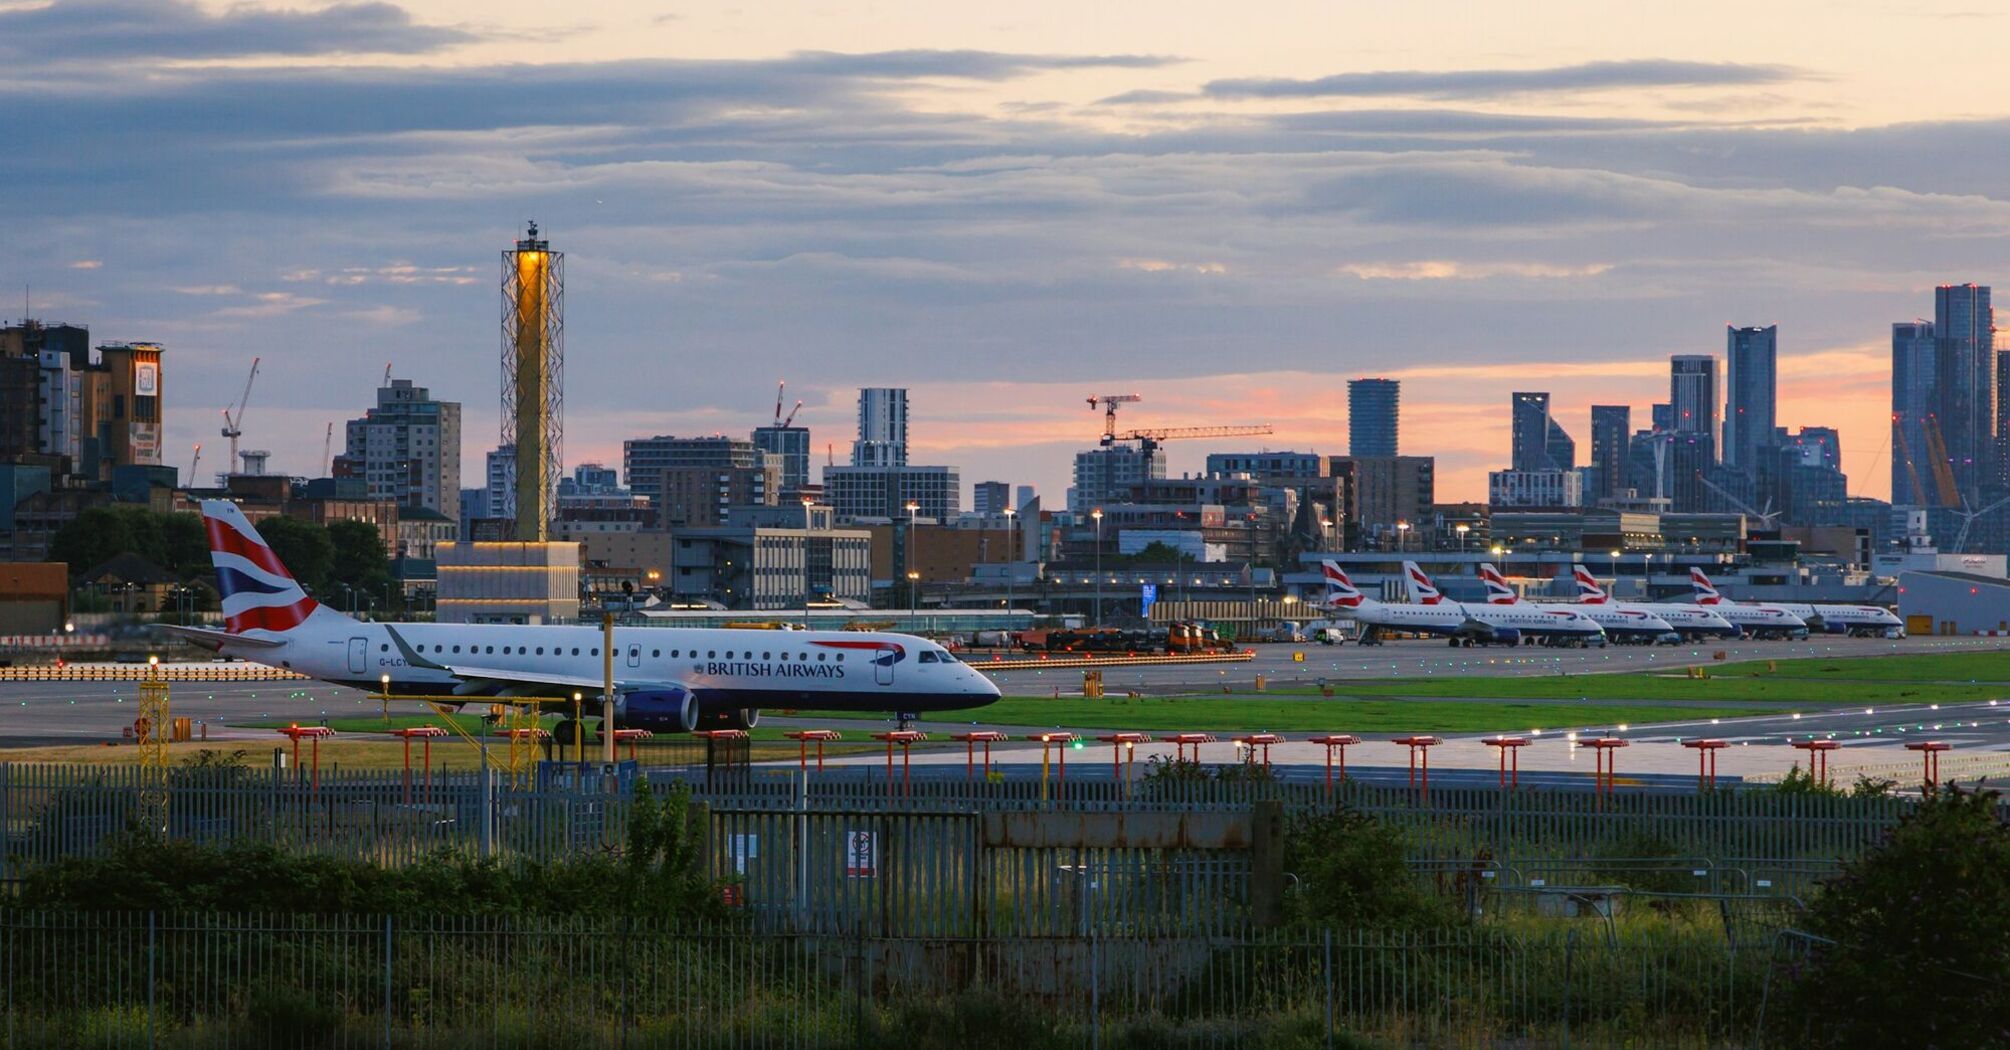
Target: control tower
{"points": [[533, 380]]}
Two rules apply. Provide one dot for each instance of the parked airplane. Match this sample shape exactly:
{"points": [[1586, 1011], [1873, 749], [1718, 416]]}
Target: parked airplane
{"points": [[1463, 624], [1690, 621], [1381, 618], [1762, 620], [1633, 626], [665, 679], [1854, 620]]}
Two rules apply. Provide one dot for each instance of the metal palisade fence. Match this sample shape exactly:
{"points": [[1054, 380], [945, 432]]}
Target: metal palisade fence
{"points": [[968, 859], [142, 979]]}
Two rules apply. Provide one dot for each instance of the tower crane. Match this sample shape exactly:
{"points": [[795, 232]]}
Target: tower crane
{"points": [[233, 421], [194, 463], [327, 446], [1149, 437], [781, 421], [1109, 403]]}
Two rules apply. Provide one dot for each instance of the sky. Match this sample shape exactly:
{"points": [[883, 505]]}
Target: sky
{"points": [[1228, 209]]}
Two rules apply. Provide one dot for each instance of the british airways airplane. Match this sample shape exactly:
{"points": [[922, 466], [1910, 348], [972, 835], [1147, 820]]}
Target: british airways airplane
{"points": [[1621, 624], [1853, 620], [665, 679], [1552, 624], [1760, 619], [1691, 621]]}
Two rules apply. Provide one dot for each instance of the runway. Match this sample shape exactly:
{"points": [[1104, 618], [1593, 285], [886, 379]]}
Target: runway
{"points": [[45, 713], [1417, 659]]}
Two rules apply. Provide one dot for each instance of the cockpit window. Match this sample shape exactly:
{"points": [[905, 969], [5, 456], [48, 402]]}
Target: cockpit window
{"points": [[927, 657], [948, 657]]}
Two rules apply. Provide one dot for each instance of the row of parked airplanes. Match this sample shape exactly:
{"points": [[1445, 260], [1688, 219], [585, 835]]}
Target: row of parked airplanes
{"points": [[1505, 618]]}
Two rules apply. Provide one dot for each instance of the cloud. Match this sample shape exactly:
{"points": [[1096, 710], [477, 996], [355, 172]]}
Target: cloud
{"points": [[102, 30], [87, 264], [1488, 83], [1147, 98], [1453, 270], [1168, 266]]}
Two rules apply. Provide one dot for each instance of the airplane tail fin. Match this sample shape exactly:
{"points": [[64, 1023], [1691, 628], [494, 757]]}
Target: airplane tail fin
{"points": [[1498, 591], [1422, 590], [258, 593], [1340, 591], [1588, 590], [1706, 594]]}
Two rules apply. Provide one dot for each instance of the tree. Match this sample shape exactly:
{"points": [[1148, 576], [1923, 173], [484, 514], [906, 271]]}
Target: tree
{"points": [[359, 559], [91, 539], [303, 548], [1917, 936]]}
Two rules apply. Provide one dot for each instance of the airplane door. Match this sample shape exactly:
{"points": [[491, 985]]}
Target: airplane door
{"points": [[359, 655], [882, 666], [635, 656]]}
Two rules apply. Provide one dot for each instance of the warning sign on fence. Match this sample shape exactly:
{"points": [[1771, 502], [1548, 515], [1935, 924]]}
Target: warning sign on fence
{"points": [[861, 855]]}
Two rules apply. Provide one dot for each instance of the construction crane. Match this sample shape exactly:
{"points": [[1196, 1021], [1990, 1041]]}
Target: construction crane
{"points": [[1905, 449], [1150, 437], [782, 422], [387, 373], [233, 421], [1943, 471], [194, 463], [327, 446], [1108, 403]]}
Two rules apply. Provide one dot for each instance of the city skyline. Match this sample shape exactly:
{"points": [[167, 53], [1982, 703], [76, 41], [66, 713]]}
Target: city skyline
{"points": [[1231, 219]]}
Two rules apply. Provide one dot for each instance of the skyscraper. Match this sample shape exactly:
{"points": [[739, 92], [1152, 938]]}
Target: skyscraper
{"points": [[990, 497], [1373, 414], [1912, 379], [407, 449], [1611, 445], [1965, 382], [1540, 443], [791, 446], [882, 428], [1752, 394], [1692, 395]]}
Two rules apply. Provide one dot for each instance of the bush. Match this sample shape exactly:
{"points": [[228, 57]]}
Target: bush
{"points": [[658, 875], [1352, 874], [1802, 782], [1918, 936]]}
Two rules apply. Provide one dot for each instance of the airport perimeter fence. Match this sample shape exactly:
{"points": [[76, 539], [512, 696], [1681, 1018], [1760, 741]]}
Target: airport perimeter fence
{"points": [[142, 979], [952, 859]]}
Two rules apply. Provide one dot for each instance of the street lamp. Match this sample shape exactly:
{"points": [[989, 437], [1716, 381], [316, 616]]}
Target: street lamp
{"points": [[1097, 617], [913, 586], [1011, 552], [805, 544], [1462, 528], [1402, 536]]}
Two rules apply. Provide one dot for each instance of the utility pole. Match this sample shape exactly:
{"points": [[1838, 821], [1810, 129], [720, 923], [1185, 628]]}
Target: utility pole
{"points": [[607, 689]]}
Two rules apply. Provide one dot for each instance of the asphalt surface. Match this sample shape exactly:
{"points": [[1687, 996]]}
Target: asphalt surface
{"points": [[57, 713], [1414, 659]]}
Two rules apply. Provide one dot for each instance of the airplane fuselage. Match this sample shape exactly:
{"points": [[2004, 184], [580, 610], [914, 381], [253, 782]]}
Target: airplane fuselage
{"points": [[724, 669]]}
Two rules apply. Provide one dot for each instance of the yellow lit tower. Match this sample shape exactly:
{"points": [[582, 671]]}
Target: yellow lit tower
{"points": [[533, 345]]}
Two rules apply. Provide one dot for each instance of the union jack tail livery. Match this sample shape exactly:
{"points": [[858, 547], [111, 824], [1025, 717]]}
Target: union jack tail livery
{"points": [[1422, 590], [1705, 593], [1498, 591], [258, 593], [1588, 590], [1340, 591]]}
